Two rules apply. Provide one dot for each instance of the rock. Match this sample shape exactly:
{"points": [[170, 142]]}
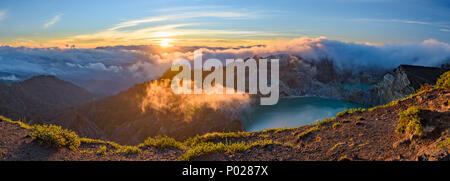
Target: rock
{"points": [[402, 142], [401, 82], [433, 154]]}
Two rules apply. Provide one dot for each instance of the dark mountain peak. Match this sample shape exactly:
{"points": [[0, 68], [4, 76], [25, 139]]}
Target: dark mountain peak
{"points": [[40, 96]]}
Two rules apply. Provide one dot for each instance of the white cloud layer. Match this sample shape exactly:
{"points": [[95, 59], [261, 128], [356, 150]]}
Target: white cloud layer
{"points": [[127, 65]]}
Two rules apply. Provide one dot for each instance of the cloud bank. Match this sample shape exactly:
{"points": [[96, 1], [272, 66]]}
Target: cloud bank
{"points": [[128, 65]]}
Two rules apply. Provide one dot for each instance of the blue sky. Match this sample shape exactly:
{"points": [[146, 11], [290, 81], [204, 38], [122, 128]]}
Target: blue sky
{"points": [[198, 22]]}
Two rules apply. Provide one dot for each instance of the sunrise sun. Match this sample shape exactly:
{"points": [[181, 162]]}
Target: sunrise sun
{"points": [[165, 43]]}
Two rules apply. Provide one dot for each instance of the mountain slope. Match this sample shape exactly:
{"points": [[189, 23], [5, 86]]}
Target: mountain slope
{"points": [[123, 119], [40, 97], [353, 135]]}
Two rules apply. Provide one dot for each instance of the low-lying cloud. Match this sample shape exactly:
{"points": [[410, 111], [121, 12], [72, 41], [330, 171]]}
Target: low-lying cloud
{"points": [[127, 65]]}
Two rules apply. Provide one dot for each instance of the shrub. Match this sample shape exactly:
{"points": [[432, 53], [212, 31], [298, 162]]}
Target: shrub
{"points": [[409, 121], [56, 136], [444, 144], [444, 80], [161, 142]]}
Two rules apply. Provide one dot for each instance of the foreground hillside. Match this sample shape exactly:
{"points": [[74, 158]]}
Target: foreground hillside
{"points": [[413, 128]]}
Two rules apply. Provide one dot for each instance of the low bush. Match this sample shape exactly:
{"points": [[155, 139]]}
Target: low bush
{"points": [[409, 121], [56, 136]]}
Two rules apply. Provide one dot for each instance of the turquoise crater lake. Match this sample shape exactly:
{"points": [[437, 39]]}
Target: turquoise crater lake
{"points": [[292, 112]]}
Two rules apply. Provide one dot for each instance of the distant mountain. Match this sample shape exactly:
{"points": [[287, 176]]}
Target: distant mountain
{"points": [[121, 118], [40, 97]]}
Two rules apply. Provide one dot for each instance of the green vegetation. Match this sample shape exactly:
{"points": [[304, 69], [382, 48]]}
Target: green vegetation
{"points": [[162, 142], [424, 88], [342, 158], [444, 80], [336, 145], [444, 144], [314, 128], [56, 136], [336, 125], [97, 141], [228, 147], [102, 150], [214, 136], [276, 130], [128, 149], [350, 111], [20, 123], [409, 121], [50, 134]]}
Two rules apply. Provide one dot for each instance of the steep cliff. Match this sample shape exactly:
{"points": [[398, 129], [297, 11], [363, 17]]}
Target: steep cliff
{"points": [[401, 82]]}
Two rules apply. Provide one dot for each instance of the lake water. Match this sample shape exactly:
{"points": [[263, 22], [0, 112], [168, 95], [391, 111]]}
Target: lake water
{"points": [[292, 112]]}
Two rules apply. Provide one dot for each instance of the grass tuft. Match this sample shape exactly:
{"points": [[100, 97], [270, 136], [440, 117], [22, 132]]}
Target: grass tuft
{"points": [[444, 81], [56, 136], [409, 121], [161, 142], [228, 147]]}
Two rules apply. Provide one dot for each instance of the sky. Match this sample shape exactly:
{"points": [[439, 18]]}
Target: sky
{"points": [[87, 23]]}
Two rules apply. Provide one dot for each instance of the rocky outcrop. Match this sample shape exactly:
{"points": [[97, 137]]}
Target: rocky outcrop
{"points": [[401, 82], [321, 78]]}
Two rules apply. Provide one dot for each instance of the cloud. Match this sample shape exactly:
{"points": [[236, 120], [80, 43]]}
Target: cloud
{"points": [[53, 21], [349, 55], [2, 14], [180, 16], [444, 30], [155, 34], [405, 21], [128, 65]]}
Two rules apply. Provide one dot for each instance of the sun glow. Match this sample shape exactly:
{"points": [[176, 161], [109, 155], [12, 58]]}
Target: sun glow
{"points": [[165, 43]]}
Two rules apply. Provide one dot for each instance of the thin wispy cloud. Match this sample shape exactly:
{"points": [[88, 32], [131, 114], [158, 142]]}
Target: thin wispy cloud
{"points": [[150, 31], [2, 14], [181, 16], [187, 8], [444, 30], [52, 21], [154, 34], [401, 21]]}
